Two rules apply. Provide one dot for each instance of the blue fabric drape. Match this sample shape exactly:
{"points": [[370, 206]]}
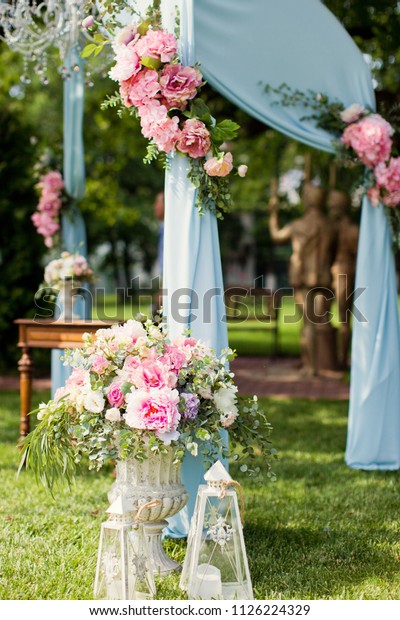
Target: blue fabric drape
{"points": [[243, 45], [192, 274], [72, 224]]}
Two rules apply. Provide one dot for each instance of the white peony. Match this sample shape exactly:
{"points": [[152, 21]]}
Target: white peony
{"points": [[94, 401], [134, 329], [113, 414], [225, 399], [352, 113]]}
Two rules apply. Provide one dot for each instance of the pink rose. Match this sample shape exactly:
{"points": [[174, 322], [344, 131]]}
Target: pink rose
{"points": [[219, 166], [157, 125], [140, 88], [114, 395], [154, 410], [44, 223], [88, 22], [157, 44], [52, 181], [374, 195], [127, 64], [370, 139], [194, 139], [392, 199], [388, 176], [179, 84], [99, 365]]}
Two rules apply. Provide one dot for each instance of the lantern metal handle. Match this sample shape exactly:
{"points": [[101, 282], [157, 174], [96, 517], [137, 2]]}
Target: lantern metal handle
{"points": [[224, 485]]}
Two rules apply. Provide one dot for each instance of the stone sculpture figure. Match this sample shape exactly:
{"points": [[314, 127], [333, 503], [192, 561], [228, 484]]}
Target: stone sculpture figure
{"points": [[343, 269], [310, 274]]}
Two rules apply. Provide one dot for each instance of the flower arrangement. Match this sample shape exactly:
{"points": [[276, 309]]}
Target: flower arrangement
{"points": [[69, 265], [361, 136], [132, 390], [46, 217], [165, 96]]}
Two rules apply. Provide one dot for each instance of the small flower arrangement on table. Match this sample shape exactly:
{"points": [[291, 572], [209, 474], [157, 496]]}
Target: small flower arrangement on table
{"points": [[71, 266], [360, 136], [164, 95], [132, 390]]}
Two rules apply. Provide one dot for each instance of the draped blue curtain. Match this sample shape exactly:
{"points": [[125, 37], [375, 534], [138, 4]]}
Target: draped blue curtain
{"points": [[242, 45], [72, 225]]}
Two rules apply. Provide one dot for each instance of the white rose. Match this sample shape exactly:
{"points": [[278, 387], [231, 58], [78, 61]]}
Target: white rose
{"points": [[113, 415], [352, 113], [225, 399], [94, 402]]}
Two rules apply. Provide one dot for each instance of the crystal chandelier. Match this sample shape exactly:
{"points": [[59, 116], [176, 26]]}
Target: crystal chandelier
{"points": [[32, 27]]}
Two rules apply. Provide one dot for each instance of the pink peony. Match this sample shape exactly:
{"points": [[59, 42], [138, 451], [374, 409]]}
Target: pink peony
{"points": [[392, 199], [114, 395], [126, 36], [99, 365], [153, 410], [157, 44], [374, 195], [52, 181], [194, 139], [352, 113], [157, 125], [127, 64], [78, 378], [152, 374], [179, 84], [389, 176], [370, 139], [140, 88], [174, 357], [219, 166]]}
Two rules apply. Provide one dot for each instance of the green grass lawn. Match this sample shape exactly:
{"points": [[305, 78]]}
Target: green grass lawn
{"points": [[321, 531]]}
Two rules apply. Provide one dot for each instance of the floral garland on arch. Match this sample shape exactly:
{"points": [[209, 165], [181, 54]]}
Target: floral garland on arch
{"points": [[165, 96], [361, 137], [46, 218]]}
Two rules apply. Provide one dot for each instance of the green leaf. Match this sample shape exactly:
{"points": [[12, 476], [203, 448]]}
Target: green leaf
{"points": [[99, 38], [225, 130], [143, 27], [88, 50], [151, 63], [199, 109]]}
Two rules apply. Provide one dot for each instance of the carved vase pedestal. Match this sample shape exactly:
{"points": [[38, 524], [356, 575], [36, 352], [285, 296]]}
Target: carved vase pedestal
{"points": [[155, 478]]}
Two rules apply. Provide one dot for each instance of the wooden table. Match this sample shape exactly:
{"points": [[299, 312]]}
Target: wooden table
{"points": [[46, 334]]}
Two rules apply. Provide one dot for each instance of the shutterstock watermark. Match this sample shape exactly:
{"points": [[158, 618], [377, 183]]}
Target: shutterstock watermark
{"points": [[186, 306]]}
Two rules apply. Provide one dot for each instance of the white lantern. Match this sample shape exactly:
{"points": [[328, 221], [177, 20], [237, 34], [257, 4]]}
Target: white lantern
{"points": [[124, 569], [216, 564]]}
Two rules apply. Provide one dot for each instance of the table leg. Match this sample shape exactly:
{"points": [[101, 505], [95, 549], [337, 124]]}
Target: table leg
{"points": [[25, 390]]}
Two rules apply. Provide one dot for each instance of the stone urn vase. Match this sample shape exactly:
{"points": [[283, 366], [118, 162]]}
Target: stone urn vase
{"points": [[67, 299], [140, 482]]}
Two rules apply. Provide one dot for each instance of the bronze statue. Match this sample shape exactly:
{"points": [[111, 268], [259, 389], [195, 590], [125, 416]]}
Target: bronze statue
{"points": [[309, 274], [343, 269]]}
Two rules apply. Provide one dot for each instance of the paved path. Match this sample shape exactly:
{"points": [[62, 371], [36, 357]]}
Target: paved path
{"points": [[264, 376]]}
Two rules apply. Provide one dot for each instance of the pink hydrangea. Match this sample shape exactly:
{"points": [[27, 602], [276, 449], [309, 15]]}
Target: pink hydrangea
{"points": [[157, 125], [219, 166], [127, 64], [392, 199], [114, 395], [388, 176], [370, 138], [179, 84], [157, 44], [152, 374], [194, 139], [140, 88], [153, 410]]}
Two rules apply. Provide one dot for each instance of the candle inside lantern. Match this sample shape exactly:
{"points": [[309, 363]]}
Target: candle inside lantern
{"points": [[209, 582]]}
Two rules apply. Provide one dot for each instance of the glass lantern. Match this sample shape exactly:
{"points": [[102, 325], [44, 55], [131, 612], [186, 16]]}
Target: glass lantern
{"points": [[124, 569], [215, 565]]}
